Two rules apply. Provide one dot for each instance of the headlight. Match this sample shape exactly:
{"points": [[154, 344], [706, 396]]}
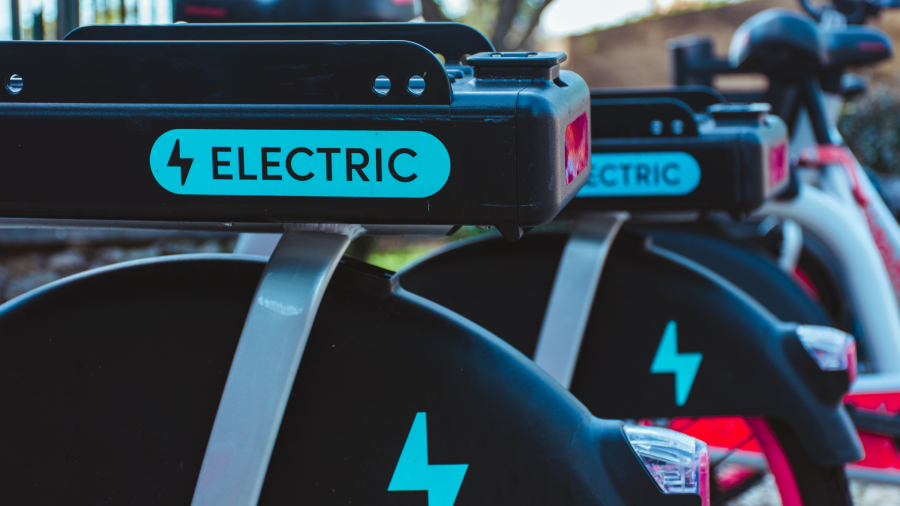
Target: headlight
{"points": [[832, 349], [678, 463]]}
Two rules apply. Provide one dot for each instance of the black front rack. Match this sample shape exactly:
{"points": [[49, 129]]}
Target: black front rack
{"points": [[658, 154], [453, 41], [287, 131]]}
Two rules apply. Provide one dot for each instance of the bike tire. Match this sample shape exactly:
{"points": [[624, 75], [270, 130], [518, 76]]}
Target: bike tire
{"points": [[802, 483]]}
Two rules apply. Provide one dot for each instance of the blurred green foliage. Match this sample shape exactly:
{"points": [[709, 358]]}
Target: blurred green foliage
{"points": [[392, 253], [871, 127], [508, 23], [394, 259]]}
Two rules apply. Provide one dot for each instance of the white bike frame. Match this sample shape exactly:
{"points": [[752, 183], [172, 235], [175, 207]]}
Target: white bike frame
{"points": [[833, 215]]}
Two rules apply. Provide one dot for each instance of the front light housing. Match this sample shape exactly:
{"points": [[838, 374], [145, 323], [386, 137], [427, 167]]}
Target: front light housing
{"points": [[832, 349], [678, 463]]}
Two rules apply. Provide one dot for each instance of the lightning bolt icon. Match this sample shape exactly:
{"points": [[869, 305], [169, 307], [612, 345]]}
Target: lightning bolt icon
{"points": [[668, 360], [175, 160], [413, 472]]}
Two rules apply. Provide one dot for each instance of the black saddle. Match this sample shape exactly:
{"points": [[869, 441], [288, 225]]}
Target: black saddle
{"points": [[779, 41], [857, 45]]}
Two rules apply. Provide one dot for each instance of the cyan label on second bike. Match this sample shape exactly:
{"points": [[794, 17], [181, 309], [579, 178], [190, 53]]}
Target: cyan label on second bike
{"points": [[300, 163], [641, 174]]}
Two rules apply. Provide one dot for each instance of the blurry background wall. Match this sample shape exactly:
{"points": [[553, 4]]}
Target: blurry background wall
{"points": [[634, 54]]}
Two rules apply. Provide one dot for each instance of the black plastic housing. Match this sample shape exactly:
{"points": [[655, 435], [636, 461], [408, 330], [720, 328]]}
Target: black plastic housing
{"points": [[740, 149], [451, 40], [76, 141], [698, 98]]}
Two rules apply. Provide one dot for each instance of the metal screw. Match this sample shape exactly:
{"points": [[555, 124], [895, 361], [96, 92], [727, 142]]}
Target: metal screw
{"points": [[15, 84]]}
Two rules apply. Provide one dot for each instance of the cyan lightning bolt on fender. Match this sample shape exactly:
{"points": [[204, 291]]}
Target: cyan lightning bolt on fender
{"points": [[668, 360], [413, 472]]}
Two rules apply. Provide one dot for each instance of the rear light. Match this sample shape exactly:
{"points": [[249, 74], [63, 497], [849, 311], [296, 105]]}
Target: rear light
{"points": [[852, 366], [205, 11], [871, 47], [832, 349], [678, 463], [578, 147], [778, 164]]}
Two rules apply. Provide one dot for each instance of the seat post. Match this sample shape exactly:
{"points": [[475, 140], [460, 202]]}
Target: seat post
{"points": [[265, 363], [814, 101]]}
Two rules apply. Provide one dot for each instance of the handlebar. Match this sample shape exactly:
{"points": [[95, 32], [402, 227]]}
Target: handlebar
{"points": [[854, 11], [812, 9]]}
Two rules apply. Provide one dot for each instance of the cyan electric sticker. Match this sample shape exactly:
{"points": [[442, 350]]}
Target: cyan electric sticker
{"points": [[413, 472], [300, 163], [683, 365], [641, 174]]}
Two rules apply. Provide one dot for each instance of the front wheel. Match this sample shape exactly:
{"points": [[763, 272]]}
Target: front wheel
{"points": [[794, 471], [799, 480]]}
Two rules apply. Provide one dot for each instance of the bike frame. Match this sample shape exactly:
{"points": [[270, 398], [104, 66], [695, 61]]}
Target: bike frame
{"points": [[859, 228], [840, 207], [834, 215]]}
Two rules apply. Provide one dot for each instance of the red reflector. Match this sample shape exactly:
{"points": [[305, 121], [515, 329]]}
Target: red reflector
{"points": [[851, 361], [871, 47], [777, 164], [578, 147], [204, 11]]}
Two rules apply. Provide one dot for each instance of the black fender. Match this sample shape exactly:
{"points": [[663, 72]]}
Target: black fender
{"points": [[110, 381], [753, 272], [752, 364], [745, 266]]}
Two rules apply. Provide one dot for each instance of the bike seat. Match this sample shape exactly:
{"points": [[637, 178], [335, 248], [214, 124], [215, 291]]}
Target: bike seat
{"points": [[656, 153], [778, 41], [111, 380], [857, 45], [238, 131]]}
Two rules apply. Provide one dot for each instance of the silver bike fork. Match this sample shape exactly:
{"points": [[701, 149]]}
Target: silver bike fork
{"points": [[266, 361], [573, 294]]}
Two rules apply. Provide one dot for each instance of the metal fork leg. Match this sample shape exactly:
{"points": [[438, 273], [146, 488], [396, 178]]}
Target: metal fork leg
{"points": [[265, 363], [573, 294]]}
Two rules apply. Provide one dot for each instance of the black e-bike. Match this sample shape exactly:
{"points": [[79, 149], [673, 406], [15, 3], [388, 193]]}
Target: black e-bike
{"points": [[659, 335], [307, 378]]}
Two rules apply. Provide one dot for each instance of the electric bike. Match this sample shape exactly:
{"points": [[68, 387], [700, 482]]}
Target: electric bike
{"points": [[304, 377], [676, 340], [843, 251]]}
